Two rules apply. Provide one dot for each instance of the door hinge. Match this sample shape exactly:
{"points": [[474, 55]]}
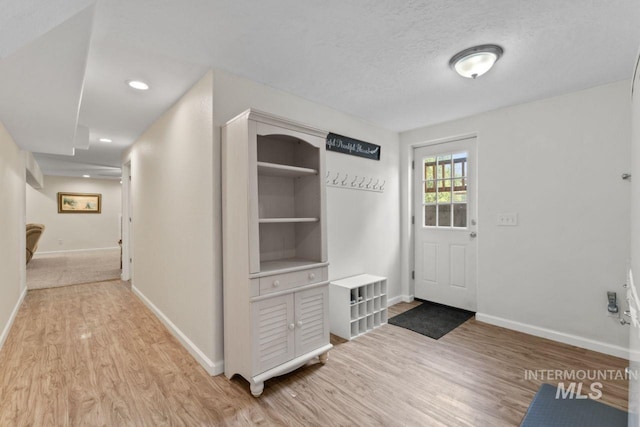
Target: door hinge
{"points": [[130, 259], [129, 219], [413, 274], [413, 164], [413, 219]]}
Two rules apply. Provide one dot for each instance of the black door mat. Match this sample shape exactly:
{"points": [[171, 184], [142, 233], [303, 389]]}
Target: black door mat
{"points": [[431, 319], [548, 409]]}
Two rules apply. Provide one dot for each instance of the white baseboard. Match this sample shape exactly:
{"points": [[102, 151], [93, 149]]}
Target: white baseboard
{"points": [[14, 313], [399, 298], [75, 250], [213, 368], [562, 337]]}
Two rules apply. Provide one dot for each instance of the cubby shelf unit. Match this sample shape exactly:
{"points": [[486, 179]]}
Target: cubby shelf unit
{"points": [[357, 304]]}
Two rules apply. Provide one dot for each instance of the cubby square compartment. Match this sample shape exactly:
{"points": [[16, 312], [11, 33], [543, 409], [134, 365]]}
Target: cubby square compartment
{"points": [[362, 309], [370, 306], [376, 319], [376, 304], [370, 322], [369, 291], [376, 289], [362, 325], [383, 288], [383, 301], [354, 312], [383, 316], [354, 328], [354, 296]]}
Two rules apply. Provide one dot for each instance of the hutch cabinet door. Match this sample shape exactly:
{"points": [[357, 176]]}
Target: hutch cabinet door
{"points": [[312, 322], [273, 325]]}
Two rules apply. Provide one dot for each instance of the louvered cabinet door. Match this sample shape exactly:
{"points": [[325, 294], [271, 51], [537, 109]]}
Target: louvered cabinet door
{"points": [[273, 324], [312, 322]]}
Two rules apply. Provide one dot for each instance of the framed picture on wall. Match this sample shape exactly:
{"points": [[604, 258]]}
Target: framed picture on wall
{"points": [[79, 203]]}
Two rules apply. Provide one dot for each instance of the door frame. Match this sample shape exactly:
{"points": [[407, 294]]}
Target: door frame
{"points": [[407, 261], [127, 235], [468, 299]]}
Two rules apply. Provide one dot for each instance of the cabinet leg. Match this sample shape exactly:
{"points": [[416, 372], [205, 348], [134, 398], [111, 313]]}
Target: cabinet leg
{"points": [[257, 389], [324, 357]]}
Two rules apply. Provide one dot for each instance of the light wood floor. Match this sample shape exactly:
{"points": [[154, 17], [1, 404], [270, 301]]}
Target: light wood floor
{"points": [[95, 355]]}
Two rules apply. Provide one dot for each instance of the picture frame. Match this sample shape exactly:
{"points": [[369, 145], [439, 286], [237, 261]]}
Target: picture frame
{"points": [[79, 203]]}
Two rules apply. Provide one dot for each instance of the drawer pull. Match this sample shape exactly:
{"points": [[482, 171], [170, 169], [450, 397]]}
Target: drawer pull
{"points": [[276, 283], [312, 276], [291, 326], [299, 323]]}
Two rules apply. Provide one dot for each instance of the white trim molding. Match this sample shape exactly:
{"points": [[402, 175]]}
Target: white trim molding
{"points": [[562, 337], [212, 368], [14, 313], [113, 248], [399, 298]]}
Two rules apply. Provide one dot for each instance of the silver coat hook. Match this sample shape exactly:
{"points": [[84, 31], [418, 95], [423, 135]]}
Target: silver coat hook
{"points": [[626, 176], [353, 183], [361, 182], [335, 180], [368, 183], [383, 183], [344, 181], [375, 186]]}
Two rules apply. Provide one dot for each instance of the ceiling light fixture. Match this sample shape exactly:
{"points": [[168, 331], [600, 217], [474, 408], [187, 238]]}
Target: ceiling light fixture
{"points": [[105, 140], [137, 84], [475, 61], [86, 176]]}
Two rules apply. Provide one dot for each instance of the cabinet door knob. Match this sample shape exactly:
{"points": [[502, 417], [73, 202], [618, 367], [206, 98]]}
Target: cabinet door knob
{"points": [[291, 326], [312, 276], [276, 283], [299, 323]]}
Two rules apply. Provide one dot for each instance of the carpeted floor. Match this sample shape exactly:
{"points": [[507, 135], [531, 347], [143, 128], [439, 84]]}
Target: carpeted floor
{"points": [[72, 268]]}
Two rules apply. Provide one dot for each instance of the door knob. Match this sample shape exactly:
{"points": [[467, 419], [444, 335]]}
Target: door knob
{"points": [[473, 234], [291, 326]]}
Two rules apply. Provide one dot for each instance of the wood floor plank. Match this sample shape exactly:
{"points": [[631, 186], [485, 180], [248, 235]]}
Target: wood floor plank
{"points": [[93, 354]]}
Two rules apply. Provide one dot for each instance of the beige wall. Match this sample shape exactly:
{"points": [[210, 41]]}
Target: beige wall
{"points": [[12, 231], [557, 163], [75, 231], [176, 199], [172, 218], [363, 228]]}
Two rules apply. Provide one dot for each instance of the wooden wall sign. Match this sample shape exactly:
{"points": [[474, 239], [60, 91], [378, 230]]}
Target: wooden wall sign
{"points": [[355, 147]]}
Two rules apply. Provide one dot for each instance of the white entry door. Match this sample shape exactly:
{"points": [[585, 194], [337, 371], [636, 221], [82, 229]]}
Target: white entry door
{"points": [[445, 223]]}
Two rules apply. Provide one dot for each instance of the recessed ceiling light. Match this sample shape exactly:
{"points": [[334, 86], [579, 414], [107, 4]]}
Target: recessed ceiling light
{"points": [[476, 61], [86, 176], [105, 140], [138, 84]]}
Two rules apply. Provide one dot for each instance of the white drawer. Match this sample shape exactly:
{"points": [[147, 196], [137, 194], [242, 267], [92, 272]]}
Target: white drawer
{"points": [[281, 282]]}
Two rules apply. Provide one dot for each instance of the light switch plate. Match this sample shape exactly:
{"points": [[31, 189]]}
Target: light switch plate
{"points": [[507, 219]]}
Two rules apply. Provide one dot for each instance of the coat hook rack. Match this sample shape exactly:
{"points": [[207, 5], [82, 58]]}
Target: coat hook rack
{"points": [[358, 182]]}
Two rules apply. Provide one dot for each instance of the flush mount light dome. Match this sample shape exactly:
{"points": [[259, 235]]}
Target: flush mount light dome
{"points": [[86, 176], [476, 61], [137, 84], [105, 140]]}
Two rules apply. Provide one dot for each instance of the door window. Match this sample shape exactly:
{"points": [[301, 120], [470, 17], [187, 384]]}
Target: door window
{"points": [[444, 183]]}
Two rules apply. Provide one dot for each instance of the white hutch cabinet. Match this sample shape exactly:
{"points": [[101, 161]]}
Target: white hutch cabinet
{"points": [[274, 247]]}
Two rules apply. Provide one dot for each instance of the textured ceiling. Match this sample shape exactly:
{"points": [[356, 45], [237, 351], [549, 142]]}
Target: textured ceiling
{"points": [[386, 62]]}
